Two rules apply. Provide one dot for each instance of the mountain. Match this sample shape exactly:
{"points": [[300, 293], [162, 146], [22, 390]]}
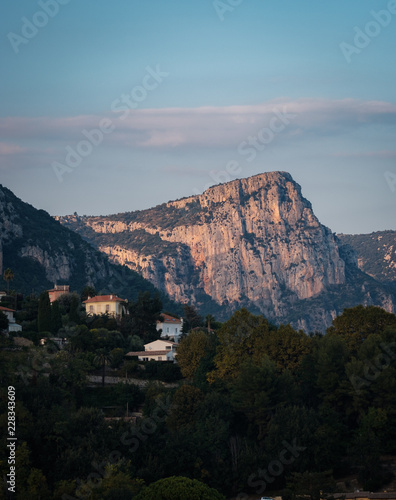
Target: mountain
{"points": [[252, 242], [376, 254], [41, 252]]}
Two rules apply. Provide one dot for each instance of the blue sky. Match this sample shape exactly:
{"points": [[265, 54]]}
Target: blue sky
{"points": [[159, 100]]}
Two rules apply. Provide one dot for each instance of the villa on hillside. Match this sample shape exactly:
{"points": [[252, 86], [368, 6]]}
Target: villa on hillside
{"points": [[171, 327], [57, 291], [105, 304], [158, 350], [12, 325]]}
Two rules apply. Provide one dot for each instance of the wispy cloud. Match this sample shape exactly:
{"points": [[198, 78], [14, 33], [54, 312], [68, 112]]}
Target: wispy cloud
{"points": [[206, 127], [383, 154], [10, 149]]}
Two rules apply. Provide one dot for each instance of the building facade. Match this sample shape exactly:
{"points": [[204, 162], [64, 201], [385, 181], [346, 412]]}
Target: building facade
{"points": [[105, 304], [171, 327]]}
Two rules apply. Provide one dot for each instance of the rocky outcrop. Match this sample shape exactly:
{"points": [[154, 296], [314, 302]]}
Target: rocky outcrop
{"points": [[375, 253], [41, 252], [252, 242]]}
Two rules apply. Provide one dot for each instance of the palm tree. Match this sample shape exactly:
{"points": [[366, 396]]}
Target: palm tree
{"points": [[8, 276], [102, 358]]}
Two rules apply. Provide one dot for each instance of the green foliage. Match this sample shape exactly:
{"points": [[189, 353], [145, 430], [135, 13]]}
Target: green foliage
{"points": [[56, 318], [179, 488], [143, 316], [191, 351], [116, 357], [44, 313], [273, 390], [357, 323], [8, 276], [3, 322], [185, 404], [191, 318]]}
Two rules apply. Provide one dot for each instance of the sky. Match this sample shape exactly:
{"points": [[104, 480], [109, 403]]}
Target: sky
{"points": [[113, 106]]}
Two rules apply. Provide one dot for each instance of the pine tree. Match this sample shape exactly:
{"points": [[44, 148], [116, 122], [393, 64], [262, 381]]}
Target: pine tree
{"points": [[44, 313], [56, 318]]}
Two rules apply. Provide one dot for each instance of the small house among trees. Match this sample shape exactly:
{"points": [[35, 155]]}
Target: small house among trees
{"points": [[57, 291], [105, 304], [171, 327], [159, 350], [12, 325]]}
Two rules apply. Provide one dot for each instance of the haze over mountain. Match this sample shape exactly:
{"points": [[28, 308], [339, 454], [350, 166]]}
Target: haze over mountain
{"points": [[252, 242]]}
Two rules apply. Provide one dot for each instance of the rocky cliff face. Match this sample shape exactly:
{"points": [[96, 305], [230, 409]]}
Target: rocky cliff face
{"points": [[376, 253], [252, 242], [41, 252]]}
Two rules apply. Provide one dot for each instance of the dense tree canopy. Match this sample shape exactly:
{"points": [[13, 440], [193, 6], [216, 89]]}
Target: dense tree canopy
{"points": [[260, 408]]}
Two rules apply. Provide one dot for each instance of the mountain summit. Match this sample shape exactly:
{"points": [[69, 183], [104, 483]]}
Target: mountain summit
{"points": [[252, 242]]}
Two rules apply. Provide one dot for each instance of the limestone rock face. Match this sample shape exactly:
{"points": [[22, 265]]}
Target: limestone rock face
{"points": [[41, 252], [252, 242]]}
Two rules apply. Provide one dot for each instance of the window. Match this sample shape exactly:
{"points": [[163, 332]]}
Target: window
{"points": [[167, 330], [175, 330], [159, 358], [91, 309], [98, 309], [107, 307], [168, 347]]}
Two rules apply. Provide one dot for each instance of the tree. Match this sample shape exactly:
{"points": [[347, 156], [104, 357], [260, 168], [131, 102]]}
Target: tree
{"points": [[179, 488], [191, 318], [103, 358], [88, 291], [74, 314], [190, 352], [143, 316], [37, 486], [241, 339], [355, 324], [185, 403], [44, 313], [3, 322], [311, 484], [8, 276], [56, 318]]}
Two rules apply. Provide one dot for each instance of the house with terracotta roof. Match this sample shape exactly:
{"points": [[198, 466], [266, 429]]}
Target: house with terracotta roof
{"points": [[158, 350], [12, 324], [171, 327], [105, 304], [57, 291]]}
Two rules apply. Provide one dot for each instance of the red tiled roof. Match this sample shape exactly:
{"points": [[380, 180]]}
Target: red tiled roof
{"points": [[169, 319], [6, 309], [104, 298]]}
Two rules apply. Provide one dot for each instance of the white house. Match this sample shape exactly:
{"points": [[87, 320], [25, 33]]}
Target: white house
{"points": [[12, 325], [102, 304], [171, 327], [159, 350]]}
